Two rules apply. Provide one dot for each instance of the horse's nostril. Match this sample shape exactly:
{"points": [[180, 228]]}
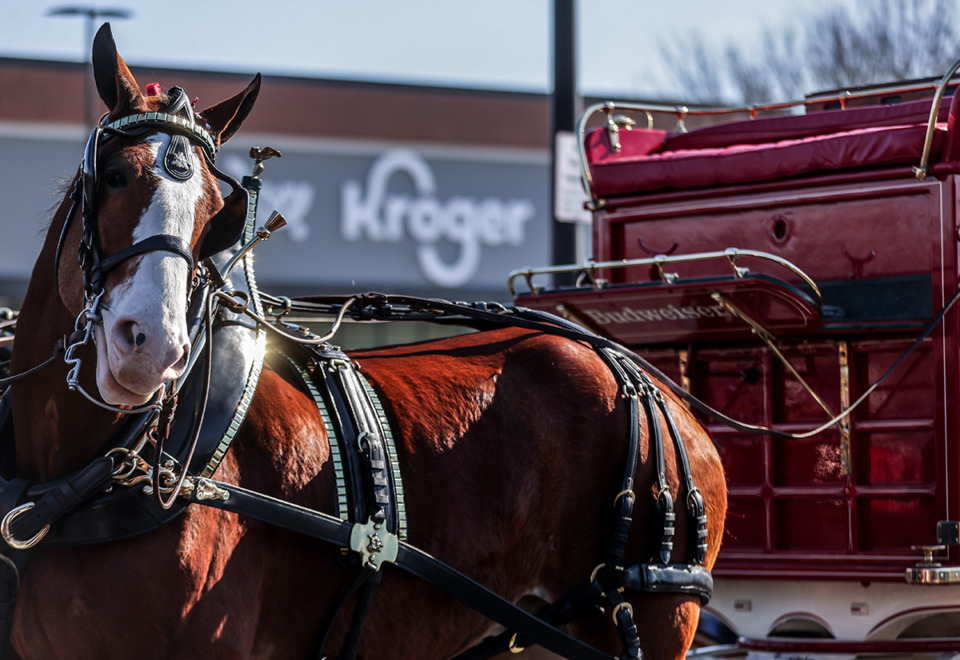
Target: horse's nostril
{"points": [[140, 339], [181, 364]]}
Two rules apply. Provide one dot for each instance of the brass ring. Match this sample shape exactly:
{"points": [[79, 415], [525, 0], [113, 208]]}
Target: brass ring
{"points": [[512, 645], [7, 533], [622, 606]]}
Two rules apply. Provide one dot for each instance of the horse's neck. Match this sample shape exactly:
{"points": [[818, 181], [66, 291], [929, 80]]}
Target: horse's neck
{"points": [[56, 430]]}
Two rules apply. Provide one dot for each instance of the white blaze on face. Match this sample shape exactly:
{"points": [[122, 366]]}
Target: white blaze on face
{"points": [[145, 341]]}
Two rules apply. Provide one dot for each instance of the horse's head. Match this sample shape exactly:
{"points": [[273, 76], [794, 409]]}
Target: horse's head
{"points": [[152, 209]]}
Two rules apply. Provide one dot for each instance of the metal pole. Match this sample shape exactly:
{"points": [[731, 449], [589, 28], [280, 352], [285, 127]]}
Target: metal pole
{"points": [[565, 105]]}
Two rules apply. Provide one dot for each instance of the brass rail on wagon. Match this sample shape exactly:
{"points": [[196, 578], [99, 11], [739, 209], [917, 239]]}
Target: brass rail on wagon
{"points": [[590, 269]]}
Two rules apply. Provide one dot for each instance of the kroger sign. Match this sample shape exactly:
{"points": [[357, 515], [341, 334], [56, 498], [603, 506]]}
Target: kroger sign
{"points": [[370, 212], [361, 217]]}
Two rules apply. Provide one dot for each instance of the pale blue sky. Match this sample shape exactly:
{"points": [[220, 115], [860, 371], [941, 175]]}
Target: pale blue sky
{"points": [[498, 44]]}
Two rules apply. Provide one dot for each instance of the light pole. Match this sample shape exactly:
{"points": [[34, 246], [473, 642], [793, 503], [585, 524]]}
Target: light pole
{"points": [[565, 104], [92, 14]]}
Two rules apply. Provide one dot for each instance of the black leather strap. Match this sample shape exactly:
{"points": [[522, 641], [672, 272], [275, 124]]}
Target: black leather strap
{"points": [[380, 502], [626, 626], [669, 578], [63, 499], [664, 498], [588, 598], [624, 501], [156, 243], [696, 508], [411, 560], [365, 584], [10, 572]]}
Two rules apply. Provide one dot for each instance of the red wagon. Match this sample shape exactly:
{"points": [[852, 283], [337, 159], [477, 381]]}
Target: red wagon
{"points": [[777, 263]]}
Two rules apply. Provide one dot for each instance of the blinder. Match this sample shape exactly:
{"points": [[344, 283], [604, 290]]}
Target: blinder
{"points": [[222, 231], [225, 229]]}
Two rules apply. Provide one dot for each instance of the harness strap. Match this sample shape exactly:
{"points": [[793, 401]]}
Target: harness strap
{"points": [[368, 475], [624, 501], [588, 598], [10, 571], [12, 565], [411, 560], [365, 600], [30, 520], [379, 504], [664, 498], [365, 583], [626, 626], [669, 578], [357, 431], [695, 504], [157, 242], [637, 385]]}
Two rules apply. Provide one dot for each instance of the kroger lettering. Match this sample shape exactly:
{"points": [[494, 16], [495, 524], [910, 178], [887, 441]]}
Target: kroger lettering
{"points": [[466, 222], [668, 313]]}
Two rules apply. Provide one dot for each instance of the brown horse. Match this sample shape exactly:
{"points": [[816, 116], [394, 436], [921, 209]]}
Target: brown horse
{"points": [[511, 444]]}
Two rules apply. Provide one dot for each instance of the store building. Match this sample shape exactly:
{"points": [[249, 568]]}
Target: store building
{"points": [[423, 190]]}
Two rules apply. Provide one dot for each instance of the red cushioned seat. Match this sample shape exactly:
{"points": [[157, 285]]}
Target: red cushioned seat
{"points": [[769, 148], [628, 171]]}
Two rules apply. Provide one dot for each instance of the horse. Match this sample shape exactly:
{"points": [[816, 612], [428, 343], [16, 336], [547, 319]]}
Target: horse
{"points": [[511, 443]]}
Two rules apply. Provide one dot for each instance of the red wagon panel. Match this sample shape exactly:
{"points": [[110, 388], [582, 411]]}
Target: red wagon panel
{"points": [[879, 246]]}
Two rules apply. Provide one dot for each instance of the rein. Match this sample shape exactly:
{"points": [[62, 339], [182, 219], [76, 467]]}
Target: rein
{"points": [[484, 315]]}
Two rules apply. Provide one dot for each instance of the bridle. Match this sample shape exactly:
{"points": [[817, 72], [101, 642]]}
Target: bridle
{"points": [[180, 122], [185, 129]]}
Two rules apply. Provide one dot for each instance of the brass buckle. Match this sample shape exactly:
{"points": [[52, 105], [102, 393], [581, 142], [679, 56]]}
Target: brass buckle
{"points": [[624, 493], [7, 533], [596, 571], [622, 606], [512, 645]]}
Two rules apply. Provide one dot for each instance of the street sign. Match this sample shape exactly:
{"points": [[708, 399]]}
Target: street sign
{"points": [[569, 195]]}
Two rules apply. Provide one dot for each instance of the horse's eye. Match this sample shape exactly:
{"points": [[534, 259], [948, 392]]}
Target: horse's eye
{"points": [[115, 178]]}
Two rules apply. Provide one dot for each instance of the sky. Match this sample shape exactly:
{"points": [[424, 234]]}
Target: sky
{"points": [[487, 44]]}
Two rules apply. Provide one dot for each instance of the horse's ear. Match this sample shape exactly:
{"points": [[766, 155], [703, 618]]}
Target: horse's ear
{"points": [[225, 117], [116, 85]]}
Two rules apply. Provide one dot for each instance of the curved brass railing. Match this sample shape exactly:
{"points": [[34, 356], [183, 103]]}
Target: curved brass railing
{"points": [[591, 268], [921, 170]]}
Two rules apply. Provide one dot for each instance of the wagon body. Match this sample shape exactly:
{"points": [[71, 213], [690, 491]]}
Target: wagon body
{"points": [[777, 267]]}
